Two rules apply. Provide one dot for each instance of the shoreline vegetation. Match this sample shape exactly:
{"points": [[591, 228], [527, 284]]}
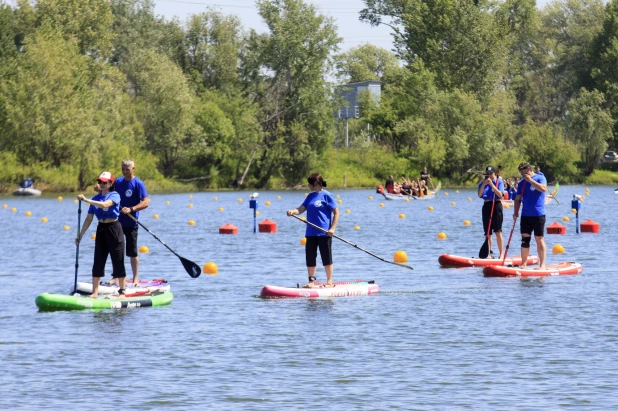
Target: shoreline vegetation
{"points": [[204, 103]]}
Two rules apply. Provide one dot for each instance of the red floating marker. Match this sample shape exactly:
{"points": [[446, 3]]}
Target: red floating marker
{"points": [[267, 226], [228, 229], [556, 228], [590, 226]]}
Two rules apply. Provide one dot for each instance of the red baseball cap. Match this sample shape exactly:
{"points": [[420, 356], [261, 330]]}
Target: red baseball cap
{"points": [[105, 177]]}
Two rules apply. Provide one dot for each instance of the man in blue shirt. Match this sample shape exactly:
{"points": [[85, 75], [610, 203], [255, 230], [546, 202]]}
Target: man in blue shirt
{"points": [[133, 198], [490, 190], [531, 194]]}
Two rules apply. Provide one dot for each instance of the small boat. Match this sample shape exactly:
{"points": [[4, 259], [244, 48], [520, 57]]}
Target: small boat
{"points": [[569, 268], [340, 289], [448, 260], [27, 192], [399, 196], [107, 289], [56, 302]]}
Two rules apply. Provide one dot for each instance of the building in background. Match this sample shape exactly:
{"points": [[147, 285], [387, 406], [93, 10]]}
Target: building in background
{"points": [[351, 94]]}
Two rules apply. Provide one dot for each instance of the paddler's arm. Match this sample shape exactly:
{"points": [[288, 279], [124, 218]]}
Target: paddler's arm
{"points": [[516, 204], [100, 204], [296, 211], [333, 226], [87, 222]]}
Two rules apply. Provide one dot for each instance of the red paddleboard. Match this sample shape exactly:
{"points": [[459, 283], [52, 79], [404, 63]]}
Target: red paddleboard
{"points": [[550, 270], [448, 260]]}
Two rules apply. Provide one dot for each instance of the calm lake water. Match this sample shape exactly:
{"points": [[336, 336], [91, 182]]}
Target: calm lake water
{"points": [[434, 339]]}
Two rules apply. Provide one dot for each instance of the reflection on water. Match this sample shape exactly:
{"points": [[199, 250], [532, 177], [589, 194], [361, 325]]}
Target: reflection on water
{"points": [[433, 339]]}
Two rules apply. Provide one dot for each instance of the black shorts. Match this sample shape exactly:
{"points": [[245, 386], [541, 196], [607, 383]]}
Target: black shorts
{"points": [[496, 220], [324, 243], [130, 239], [109, 241], [530, 224]]}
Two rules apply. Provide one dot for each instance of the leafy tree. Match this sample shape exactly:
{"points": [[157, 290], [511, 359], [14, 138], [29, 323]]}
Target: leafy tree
{"points": [[364, 63]]}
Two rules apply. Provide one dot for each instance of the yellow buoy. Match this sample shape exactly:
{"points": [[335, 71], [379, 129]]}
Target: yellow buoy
{"points": [[190, 196], [66, 228], [430, 208], [190, 205], [216, 198], [466, 222], [240, 200], [381, 204], [5, 205], [445, 193], [347, 211], [469, 198], [557, 249], [278, 197], [59, 198], [402, 216], [13, 210], [191, 222], [441, 236], [267, 203], [167, 202], [337, 196], [582, 199], [257, 213], [306, 194], [44, 219], [28, 213], [453, 203], [303, 241], [339, 201], [220, 208], [457, 191], [566, 219], [156, 216], [94, 236], [143, 249], [406, 200], [75, 201], [357, 227], [211, 268], [370, 197], [573, 210], [400, 257], [507, 206]]}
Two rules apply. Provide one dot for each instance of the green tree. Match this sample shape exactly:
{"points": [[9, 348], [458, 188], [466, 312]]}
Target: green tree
{"points": [[364, 63]]}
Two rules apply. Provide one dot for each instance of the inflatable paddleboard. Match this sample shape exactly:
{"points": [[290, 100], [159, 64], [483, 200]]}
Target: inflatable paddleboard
{"points": [[55, 302], [448, 260], [569, 268], [106, 289], [341, 289]]}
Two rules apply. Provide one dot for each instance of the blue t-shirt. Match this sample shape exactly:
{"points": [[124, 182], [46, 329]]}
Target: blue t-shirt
{"points": [[488, 193], [320, 208], [104, 213], [533, 201], [131, 194]]}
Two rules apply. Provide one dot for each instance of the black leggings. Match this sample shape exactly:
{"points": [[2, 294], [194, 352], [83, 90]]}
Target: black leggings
{"points": [[311, 250], [109, 241]]}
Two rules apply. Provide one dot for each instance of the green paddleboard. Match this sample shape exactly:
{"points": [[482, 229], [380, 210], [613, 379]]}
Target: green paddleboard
{"points": [[55, 302]]}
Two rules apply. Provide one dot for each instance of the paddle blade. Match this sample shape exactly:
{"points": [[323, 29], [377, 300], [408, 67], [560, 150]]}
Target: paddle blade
{"points": [[192, 269], [484, 252]]}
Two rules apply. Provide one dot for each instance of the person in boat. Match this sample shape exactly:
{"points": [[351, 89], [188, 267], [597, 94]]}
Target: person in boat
{"points": [[133, 199], [322, 211], [425, 175], [26, 183], [532, 187], [389, 186], [490, 190], [405, 186], [110, 238]]}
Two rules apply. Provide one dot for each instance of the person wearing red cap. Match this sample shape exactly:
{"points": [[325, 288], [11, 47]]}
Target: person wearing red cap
{"points": [[110, 238]]}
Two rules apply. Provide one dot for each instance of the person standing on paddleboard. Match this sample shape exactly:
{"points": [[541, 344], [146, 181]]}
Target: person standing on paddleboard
{"points": [[133, 199], [110, 238], [322, 211], [532, 187], [490, 190]]}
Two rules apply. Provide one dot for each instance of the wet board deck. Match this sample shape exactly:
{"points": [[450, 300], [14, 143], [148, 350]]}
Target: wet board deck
{"points": [[569, 268], [448, 260], [341, 289]]}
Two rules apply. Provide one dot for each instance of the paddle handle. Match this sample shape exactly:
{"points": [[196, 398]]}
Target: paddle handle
{"points": [[352, 244], [79, 228]]}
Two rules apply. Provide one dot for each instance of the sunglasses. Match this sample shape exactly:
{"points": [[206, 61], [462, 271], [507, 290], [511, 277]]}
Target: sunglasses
{"points": [[102, 182]]}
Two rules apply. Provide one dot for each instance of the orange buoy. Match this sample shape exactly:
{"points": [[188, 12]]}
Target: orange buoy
{"points": [[590, 226], [267, 226], [400, 257], [556, 228], [558, 249], [228, 229]]}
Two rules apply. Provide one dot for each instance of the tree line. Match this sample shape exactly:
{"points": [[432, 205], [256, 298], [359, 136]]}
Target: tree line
{"points": [[469, 83]]}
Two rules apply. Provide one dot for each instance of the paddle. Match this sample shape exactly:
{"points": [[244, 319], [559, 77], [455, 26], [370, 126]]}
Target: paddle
{"points": [[484, 251], [192, 269], [506, 250], [352, 244], [79, 222]]}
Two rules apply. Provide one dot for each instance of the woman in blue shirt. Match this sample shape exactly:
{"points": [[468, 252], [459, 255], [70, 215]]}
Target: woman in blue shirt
{"points": [[110, 238], [322, 211]]}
